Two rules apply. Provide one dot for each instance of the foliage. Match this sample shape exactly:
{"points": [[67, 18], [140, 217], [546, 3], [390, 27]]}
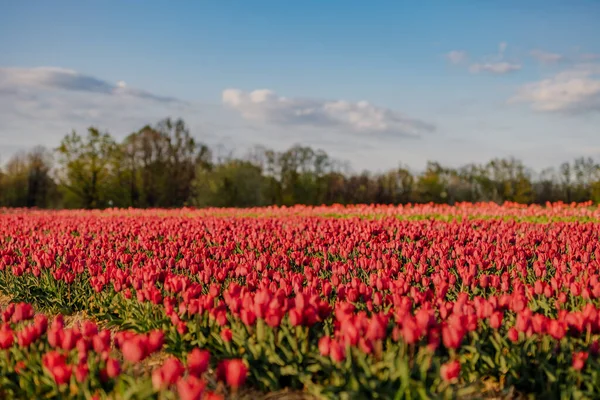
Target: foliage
{"points": [[85, 166], [164, 166], [428, 301]]}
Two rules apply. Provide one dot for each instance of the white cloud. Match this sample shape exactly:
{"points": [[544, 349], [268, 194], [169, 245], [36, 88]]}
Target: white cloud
{"points": [[575, 91], [545, 57], [30, 117], [457, 56], [498, 68], [69, 80], [38, 106], [495, 64], [360, 117]]}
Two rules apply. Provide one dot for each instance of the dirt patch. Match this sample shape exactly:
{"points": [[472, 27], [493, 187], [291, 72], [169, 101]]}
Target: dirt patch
{"points": [[4, 300], [74, 319], [280, 395]]}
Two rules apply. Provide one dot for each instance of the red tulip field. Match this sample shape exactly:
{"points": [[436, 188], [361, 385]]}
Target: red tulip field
{"points": [[358, 302]]}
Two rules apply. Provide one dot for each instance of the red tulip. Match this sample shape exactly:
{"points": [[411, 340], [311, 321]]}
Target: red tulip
{"points": [[41, 324], [159, 381], [89, 329], [248, 317], [190, 388], [579, 360], [433, 339], [23, 312], [212, 396], [295, 317], [274, 317], [52, 358], [27, 336], [324, 345], [6, 337], [496, 320], [156, 339], [134, 350], [452, 336], [101, 341], [556, 329], [55, 336], [222, 318], [337, 352], [450, 371], [81, 372], [513, 335], [234, 372], [411, 333], [173, 369], [69, 339], [198, 361], [226, 335], [8, 312], [377, 329], [61, 374], [523, 322], [20, 367], [113, 368]]}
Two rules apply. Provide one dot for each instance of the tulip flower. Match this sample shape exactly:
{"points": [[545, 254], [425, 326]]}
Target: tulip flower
{"points": [[6, 337], [450, 371], [197, 362], [234, 372], [135, 349], [191, 388], [579, 360]]}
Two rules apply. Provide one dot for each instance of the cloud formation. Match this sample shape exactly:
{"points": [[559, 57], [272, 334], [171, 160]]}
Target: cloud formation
{"points": [[69, 80], [499, 68], [545, 57], [495, 64], [38, 106], [359, 117], [575, 91], [457, 56]]}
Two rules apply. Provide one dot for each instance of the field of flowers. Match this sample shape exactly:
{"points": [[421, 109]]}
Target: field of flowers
{"points": [[469, 301]]}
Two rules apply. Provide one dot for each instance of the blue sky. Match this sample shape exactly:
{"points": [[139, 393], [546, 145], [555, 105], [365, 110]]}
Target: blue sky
{"points": [[374, 83]]}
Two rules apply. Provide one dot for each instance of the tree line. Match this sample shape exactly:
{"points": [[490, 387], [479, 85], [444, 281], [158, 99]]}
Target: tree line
{"points": [[163, 166]]}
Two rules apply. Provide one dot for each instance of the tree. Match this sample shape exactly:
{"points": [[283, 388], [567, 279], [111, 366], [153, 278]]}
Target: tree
{"points": [[566, 177], [394, 187], [41, 188], [27, 181], [15, 182], [545, 188], [161, 163], [430, 186], [86, 168], [586, 172], [237, 183]]}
